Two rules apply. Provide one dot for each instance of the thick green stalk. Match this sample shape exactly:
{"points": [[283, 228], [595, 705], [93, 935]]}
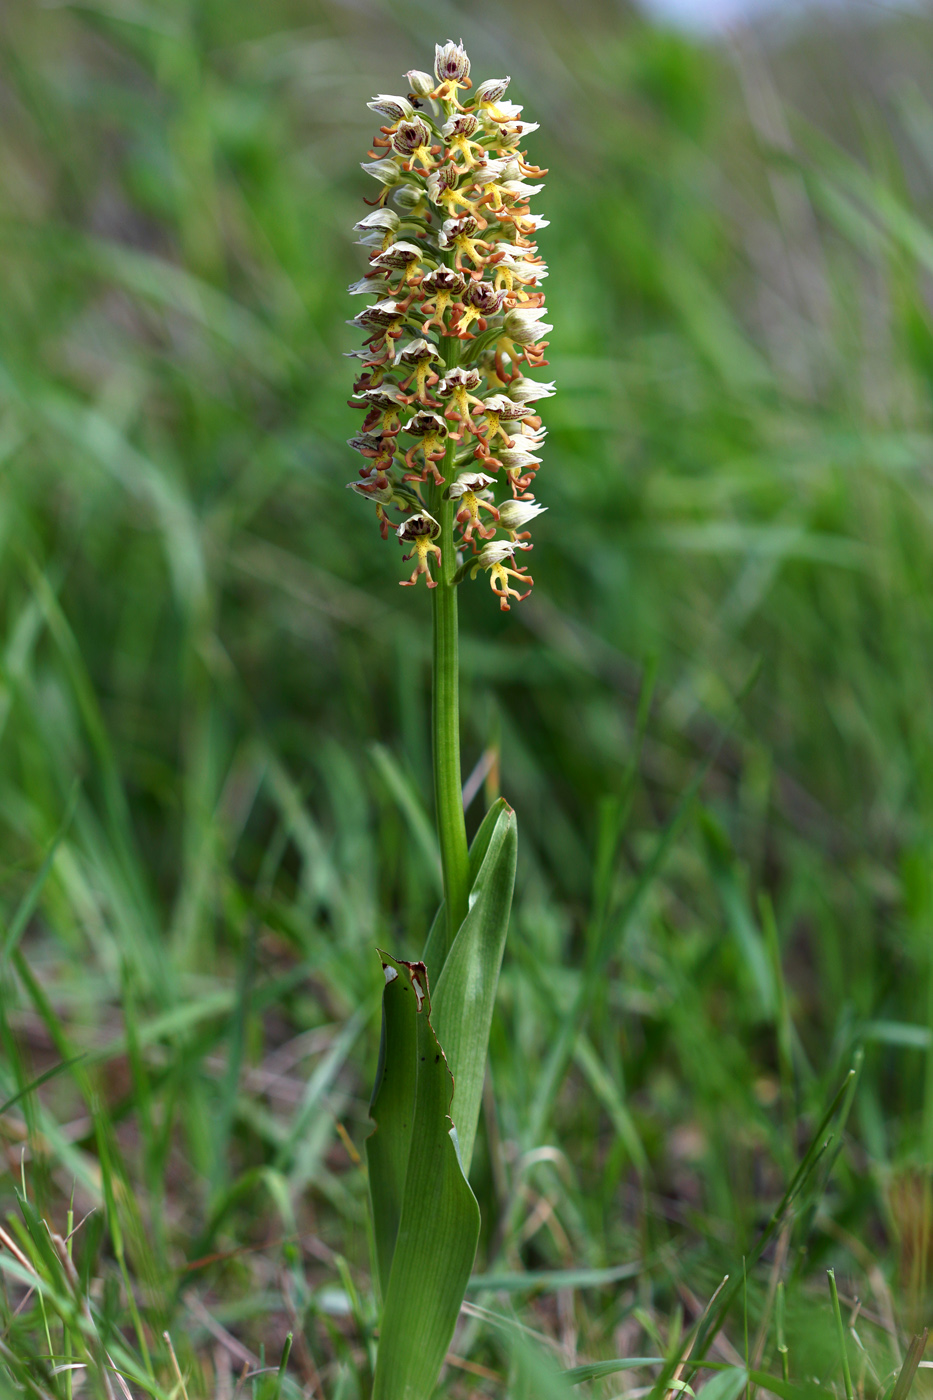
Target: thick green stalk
{"points": [[445, 717]]}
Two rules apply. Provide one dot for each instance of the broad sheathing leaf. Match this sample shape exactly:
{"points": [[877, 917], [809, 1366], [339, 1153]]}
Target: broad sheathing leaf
{"points": [[429, 1262], [466, 989], [392, 1108], [437, 948]]}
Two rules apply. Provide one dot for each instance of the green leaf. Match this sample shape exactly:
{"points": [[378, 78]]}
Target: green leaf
{"points": [[726, 1385], [438, 1223], [466, 989], [391, 1109], [435, 951]]}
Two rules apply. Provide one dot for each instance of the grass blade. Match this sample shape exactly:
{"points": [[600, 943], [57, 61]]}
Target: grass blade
{"points": [[905, 1376]]}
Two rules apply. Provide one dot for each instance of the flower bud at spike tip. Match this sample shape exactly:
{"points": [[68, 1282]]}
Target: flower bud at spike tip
{"points": [[455, 327]]}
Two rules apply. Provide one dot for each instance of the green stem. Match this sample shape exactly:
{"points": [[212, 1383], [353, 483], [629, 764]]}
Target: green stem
{"points": [[448, 788]]}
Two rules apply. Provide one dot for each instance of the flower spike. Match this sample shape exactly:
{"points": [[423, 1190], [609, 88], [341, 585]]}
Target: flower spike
{"points": [[454, 328]]}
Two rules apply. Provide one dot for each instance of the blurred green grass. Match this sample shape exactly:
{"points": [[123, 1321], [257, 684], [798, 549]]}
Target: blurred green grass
{"points": [[213, 696]]}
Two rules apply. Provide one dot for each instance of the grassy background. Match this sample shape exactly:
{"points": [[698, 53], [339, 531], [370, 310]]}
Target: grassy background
{"points": [[713, 716]]}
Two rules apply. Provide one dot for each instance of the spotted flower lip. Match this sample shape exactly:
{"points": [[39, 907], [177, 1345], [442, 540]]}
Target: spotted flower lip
{"points": [[452, 229], [454, 329]]}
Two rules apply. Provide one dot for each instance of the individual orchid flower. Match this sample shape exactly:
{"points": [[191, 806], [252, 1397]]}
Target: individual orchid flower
{"points": [[394, 109], [460, 236], [530, 390], [400, 256], [387, 171], [492, 557], [459, 385], [480, 300], [452, 70], [412, 141], [487, 95], [515, 515], [470, 490], [442, 285], [378, 228], [457, 132], [421, 532], [520, 468], [385, 402], [421, 83], [431, 431], [444, 189], [384, 492], [496, 408], [418, 355]]}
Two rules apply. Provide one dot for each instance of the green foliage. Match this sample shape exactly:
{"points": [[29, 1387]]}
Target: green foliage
{"points": [[465, 990], [417, 1185], [425, 1217]]}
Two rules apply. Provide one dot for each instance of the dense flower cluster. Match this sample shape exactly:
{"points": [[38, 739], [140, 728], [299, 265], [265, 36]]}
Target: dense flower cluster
{"points": [[457, 316]]}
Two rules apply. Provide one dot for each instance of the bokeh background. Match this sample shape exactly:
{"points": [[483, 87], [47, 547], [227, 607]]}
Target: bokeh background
{"points": [[713, 716]]}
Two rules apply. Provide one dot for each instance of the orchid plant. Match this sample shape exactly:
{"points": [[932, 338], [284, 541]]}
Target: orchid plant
{"points": [[450, 442]]}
